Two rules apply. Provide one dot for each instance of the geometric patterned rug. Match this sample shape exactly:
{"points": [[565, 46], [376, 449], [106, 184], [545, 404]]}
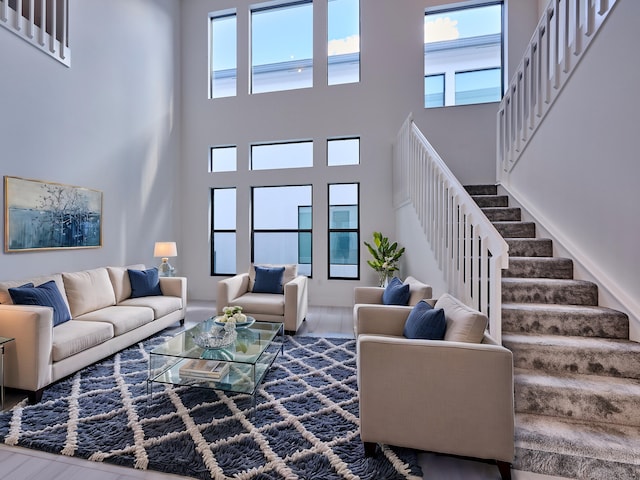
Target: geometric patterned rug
{"points": [[305, 426]]}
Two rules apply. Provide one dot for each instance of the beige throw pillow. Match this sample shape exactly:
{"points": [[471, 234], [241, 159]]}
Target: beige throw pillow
{"points": [[88, 290], [464, 324]]}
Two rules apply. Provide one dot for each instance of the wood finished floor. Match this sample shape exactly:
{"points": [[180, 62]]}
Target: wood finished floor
{"points": [[18, 463]]}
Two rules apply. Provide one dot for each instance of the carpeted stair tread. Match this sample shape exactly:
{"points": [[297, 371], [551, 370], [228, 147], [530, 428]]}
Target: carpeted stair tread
{"points": [[481, 189], [516, 229], [580, 397], [558, 446], [547, 290], [530, 247], [502, 214], [485, 201], [581, 355], [572, 320], [539, 267]]}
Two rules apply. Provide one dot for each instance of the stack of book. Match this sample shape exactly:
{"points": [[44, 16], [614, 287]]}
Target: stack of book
{"points": [[198, 369]]}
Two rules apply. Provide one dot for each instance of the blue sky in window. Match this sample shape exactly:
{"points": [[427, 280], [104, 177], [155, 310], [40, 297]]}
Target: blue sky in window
{"points": [[465, 23]]}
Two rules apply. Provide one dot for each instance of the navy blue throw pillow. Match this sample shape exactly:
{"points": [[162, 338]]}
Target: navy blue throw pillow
{"points": [[425, 322], [45, 295], [144, 283], [396, 293], [268, 280]]}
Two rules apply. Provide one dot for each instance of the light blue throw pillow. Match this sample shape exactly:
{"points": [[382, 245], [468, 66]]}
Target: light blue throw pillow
{"points": [[268, 280], [425, 322], [144, 283], [396, 293], [45, 295]]}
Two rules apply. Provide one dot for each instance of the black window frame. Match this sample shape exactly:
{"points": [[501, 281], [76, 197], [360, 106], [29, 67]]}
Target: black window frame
{"points": [[212, 255], [339, 230]]}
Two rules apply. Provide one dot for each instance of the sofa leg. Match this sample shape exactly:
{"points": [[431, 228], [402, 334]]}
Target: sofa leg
{"points": [[369, 448], [35, 396], [182, 322], [505, 469]]}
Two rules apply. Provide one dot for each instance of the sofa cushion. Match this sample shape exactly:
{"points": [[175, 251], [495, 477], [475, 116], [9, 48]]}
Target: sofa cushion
{"points": [[144, 283], [290, 272], [161, 305], [417, 290], [268, 280], [256, 303], [395, 293], [5, 297], [123, 318], [46, 295], [425, 322], [88, 290], [120, 280], [75, 336], [464, 324]]}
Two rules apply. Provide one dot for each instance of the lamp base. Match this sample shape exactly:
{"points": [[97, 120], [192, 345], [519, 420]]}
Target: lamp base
{"points": [[165, 269]]}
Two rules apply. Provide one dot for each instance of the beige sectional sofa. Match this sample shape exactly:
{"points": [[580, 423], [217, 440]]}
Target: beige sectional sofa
{"points": [[104, 320]]}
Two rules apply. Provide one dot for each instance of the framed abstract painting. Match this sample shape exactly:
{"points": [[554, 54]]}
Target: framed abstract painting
{"points": [[42, 215]]}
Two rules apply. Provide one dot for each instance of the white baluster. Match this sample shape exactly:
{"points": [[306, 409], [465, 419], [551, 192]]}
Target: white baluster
{"points": [[31, 24], [43, 21], [18, 19]]}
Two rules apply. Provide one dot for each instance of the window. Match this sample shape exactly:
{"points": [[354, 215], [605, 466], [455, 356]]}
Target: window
{"points": [[222, 34], [344, 231], [282, 47], [281, 226], [282, 155], [343, 151], [223, 234], [223, 159], [466, 44], [343, 41]]}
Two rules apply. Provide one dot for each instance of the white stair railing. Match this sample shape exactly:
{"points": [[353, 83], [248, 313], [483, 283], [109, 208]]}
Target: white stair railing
{"points": [[563, 34], [469, 250], [42, 23]]}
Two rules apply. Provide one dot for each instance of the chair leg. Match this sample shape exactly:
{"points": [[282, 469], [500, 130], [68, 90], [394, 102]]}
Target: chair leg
{"points": [[369, 448], [505, 469]]}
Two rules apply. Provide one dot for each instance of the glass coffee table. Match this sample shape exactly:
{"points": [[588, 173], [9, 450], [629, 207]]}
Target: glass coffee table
{"points": [[246, 360]]}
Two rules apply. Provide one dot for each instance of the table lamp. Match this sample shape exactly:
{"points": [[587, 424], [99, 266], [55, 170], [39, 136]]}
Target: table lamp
{"points": [[165, 250]]}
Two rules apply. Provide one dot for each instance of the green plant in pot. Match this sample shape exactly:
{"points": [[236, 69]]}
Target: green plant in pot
{"points": [[385, 257]]}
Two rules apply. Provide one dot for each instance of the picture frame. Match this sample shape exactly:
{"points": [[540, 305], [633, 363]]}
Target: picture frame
{"points": [[41, 215]]}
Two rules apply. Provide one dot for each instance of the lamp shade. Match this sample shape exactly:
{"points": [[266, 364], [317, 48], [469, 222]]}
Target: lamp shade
{"points": [[165, 249]]}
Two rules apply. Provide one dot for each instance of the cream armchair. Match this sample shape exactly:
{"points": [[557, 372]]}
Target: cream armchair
{"points": [[451, 397], [290, 307]]}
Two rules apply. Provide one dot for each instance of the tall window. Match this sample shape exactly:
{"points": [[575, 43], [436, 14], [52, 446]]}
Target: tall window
{"points": [[343, 41], [223, 159], [282, 155], [343, 151], [344, 230], [281, 226], [223, 234], [223, 61], [466, 44], [282, 47]]}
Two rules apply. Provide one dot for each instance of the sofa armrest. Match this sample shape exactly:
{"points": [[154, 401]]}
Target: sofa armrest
{"points": [[379, 319], [450, 397], [295, 302], [29, 358], [231, 288], [368, 295], [174, 287]]}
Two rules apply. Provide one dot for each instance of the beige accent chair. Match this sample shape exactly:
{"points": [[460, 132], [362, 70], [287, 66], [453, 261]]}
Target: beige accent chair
{"points": [[289, 307], [452, 396]]}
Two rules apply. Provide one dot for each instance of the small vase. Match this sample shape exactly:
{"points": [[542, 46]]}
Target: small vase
{"points": [[383, 279]]}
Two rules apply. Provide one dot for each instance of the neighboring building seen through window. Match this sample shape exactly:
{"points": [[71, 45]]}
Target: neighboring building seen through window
{"points": [[223, 235], [344, 230], [223, 61], [281, 226], [463, 45], [343, 41]]}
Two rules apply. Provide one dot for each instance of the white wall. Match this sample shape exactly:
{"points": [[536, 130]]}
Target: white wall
{"points": [[110, 122], [391, 88], [579, 173]]}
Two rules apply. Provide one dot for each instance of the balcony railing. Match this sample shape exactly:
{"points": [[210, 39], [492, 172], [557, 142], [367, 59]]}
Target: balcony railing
{"points": [[469, 250]]}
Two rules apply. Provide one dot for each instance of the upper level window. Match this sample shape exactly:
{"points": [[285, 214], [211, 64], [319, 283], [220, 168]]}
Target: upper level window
{"points": [[343, 151], [343, 41], [223, 159], [223, 63], [460, 42], [282, 47], [282, 155]]}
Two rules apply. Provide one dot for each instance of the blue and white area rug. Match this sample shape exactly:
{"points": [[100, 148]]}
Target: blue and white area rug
{"points": [[305, 426]]}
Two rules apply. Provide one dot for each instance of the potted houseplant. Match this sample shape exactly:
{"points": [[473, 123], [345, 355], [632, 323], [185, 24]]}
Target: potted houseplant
{"points": [[385, 257]]}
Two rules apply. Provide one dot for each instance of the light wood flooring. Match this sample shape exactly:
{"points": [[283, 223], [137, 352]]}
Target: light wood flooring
{"points": [[18, 463]]}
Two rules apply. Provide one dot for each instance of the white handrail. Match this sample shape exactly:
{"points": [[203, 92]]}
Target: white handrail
{"points": [[469, 250], [563, 34], [39, 25]]}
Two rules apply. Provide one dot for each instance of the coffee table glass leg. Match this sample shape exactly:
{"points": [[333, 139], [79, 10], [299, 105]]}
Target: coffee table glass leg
{"points": [[2, 377]]}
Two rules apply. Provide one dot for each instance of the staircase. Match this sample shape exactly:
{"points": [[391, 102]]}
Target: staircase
{"points": [[576, 374]]}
